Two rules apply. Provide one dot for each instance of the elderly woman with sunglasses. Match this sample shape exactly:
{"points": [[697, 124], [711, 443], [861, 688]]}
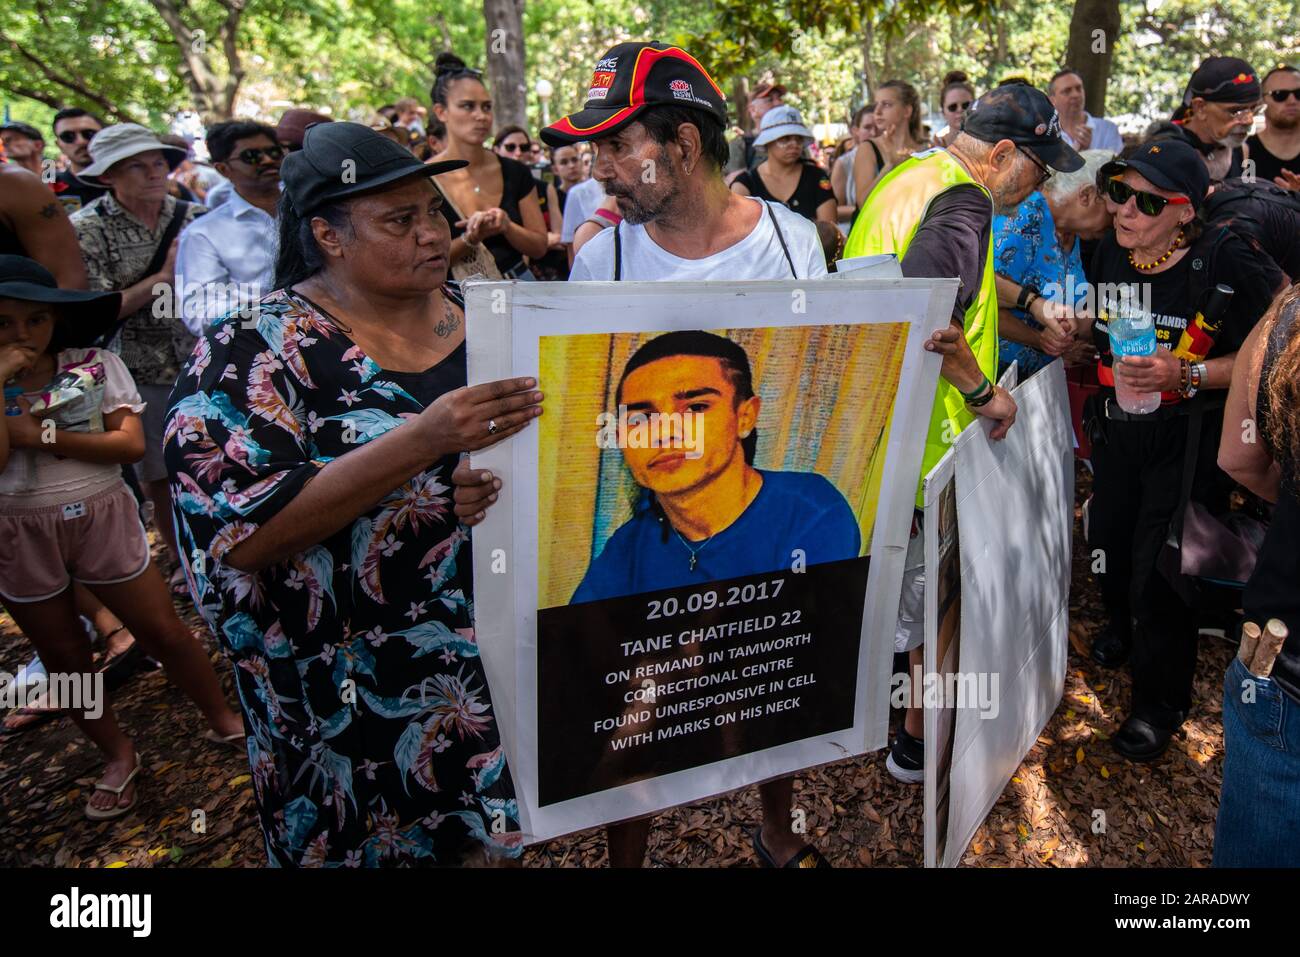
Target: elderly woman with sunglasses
{"points": [[1160, 263]]}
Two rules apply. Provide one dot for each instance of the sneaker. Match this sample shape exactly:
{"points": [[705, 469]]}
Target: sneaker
{"points": [[906, 760]]}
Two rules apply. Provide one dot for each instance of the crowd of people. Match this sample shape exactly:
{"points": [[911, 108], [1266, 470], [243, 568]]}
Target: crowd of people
{"points": [[265, 360]]}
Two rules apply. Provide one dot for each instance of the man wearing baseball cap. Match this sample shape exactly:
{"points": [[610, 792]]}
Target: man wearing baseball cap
{"points": [[1218, 109], [653, 108], [935, 212], [23, 144]]}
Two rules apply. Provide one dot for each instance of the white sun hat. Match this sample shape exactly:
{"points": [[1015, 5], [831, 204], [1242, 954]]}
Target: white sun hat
{"points": [[777, 122], [113, 144]]}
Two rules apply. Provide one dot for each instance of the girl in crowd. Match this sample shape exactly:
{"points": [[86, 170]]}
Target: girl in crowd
{"points": [[862, 129], [492, 200], [898, 117], [313, 453], [785, 176], [955, 99], [72, 419], [512, 142]]}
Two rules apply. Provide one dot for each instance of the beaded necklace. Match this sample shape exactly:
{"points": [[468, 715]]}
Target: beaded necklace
{"points": [[1178, 242]]}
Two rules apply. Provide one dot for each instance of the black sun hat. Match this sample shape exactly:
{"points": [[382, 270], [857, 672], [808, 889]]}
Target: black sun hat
{"points": [[338, 160], [1025, 116], [84, 317], [630, 77]]}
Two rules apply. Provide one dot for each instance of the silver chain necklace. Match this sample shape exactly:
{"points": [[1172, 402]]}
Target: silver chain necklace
{"points": [[695, 552]]}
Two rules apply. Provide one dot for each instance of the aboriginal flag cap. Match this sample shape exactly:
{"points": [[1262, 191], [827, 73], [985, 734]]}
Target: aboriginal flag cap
{"points": [[1223, 79], [631, 77]]}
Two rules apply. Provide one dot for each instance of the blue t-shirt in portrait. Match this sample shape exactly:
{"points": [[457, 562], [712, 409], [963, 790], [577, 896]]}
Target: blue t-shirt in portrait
{"points": [[1026, 251], [793, 510]]}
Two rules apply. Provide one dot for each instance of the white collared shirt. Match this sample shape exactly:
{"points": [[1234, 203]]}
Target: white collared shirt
{"points": [[1105, 134], [226, 259]]}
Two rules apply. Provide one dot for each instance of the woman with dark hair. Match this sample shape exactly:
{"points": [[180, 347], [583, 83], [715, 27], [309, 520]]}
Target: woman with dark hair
{"points": [[1159, 271], [312, 442], [491, 199], [898, 117], [513, 142], [1259, 806], [955, 99]]}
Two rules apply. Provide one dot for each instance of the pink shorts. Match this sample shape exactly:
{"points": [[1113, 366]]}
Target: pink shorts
{"points": [[96, 541]]}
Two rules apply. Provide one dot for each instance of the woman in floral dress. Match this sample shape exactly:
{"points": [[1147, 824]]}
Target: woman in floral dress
{"points": [[311, 443]]}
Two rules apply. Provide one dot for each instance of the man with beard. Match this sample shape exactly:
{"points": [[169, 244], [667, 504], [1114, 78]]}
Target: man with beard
{"points": [[935, 212], [658, 121], [1218, 110], [1275, 150]]}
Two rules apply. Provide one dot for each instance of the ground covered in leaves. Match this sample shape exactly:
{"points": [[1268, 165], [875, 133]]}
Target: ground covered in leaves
{"points": [[1159, 815]]}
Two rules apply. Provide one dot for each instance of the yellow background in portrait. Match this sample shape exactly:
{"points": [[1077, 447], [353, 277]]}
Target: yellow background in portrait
{"points": [[827, 391]]}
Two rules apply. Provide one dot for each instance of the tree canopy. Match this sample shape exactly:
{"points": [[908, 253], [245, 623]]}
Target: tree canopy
{"points": [[149, 59]]}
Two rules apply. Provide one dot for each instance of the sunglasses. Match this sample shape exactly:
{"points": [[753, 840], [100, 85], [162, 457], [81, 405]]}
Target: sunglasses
{"points": [[1148, 204], [516, 148], [252, 155], [958, 107], [1243, 112], [1280, 96], [1044, 173], [70, 136]]}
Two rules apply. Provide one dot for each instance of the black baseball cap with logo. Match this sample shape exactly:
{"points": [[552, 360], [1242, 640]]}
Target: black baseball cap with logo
{"points": [[631, 77], [1171, 164], [1025, 116], [338, 160]]}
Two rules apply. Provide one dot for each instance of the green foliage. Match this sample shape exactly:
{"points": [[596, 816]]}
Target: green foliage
{"points": [[350, 56]]}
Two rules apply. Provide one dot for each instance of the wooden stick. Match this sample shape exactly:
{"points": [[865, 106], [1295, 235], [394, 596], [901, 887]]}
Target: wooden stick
{"points": [[1250, 633], [1270, 643]]}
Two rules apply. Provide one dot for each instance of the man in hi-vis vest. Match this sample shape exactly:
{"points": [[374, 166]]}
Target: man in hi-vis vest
{"points": [[935, 212]]}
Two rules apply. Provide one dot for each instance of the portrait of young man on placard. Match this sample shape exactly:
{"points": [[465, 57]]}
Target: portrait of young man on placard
{"points": [[703, 511]]}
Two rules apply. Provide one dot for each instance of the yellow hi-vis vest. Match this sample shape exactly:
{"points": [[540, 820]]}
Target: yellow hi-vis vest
{"points": [[888, 221]]}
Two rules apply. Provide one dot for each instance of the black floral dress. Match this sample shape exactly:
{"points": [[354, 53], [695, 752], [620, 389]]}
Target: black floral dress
{"points": [[371, 735]]}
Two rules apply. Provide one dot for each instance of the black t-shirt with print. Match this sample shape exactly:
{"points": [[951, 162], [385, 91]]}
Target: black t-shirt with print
{"points": [[516, 183], [73, 193], [813, 189], [1174, 296]]}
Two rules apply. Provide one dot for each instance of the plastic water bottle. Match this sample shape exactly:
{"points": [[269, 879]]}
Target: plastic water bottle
{"points": [[12, 391], [1132, 335]]}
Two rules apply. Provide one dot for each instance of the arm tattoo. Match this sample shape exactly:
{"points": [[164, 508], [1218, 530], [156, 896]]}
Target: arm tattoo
{"points": [[52, 210]]}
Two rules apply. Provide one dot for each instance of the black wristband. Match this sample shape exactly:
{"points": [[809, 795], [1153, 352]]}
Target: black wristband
{"points": [[1023, 301], [985, 399]]}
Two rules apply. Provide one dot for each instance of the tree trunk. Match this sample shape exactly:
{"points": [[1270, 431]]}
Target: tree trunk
{"points": [[213, 93], [740, 97], [868, 69], [1094, 31], [505, 59]]}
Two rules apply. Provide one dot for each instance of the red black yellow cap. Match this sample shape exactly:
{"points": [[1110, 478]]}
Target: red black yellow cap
{"points": [[631, 77]]}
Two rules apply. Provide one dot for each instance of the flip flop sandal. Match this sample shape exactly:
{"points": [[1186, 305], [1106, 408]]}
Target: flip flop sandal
{"points": [[808, 856], [235, 740], [122, 663], [114, 812], [33, 717]]}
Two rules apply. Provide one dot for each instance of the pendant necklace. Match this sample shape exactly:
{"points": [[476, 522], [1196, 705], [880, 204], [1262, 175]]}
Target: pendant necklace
{"points": [[694, 551]]}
